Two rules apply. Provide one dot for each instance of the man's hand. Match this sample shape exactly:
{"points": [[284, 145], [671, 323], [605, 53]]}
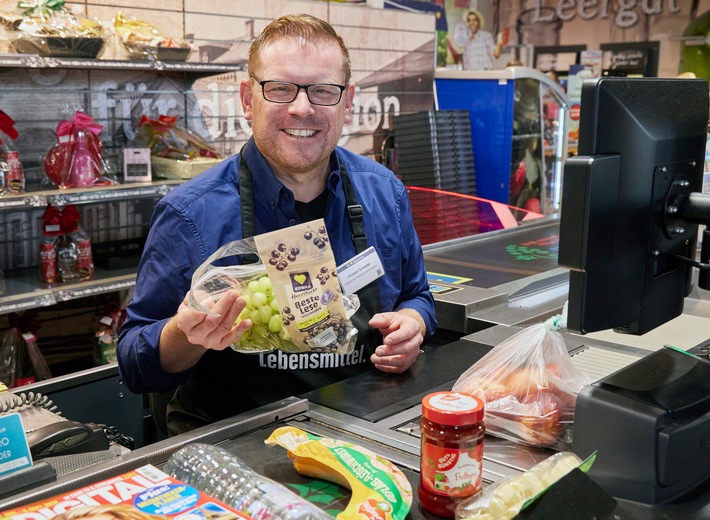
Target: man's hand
{"points": [[190, 333], [214, 332], [402, 335]]}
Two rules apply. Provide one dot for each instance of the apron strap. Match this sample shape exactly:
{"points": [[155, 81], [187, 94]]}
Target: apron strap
{"points": [[354, 212], [246, 197]]}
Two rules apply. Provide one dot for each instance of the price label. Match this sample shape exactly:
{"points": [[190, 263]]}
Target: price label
{"points": [[136, 165], [14, 450]]}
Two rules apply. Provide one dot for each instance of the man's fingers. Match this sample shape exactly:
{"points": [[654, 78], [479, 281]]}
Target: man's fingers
{"points": [[216, 330]]}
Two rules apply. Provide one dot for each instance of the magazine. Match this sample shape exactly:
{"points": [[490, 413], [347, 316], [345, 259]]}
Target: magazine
{"points": [[146, 493]]}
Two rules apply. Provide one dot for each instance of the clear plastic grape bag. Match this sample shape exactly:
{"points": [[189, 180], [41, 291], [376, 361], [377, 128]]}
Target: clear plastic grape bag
{"points": [[293, 299]]}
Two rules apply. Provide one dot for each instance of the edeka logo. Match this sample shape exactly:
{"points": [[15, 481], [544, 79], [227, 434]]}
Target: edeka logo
{"points": [[301, 282], [543, 249]]}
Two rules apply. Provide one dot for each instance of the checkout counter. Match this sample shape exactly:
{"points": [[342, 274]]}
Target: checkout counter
{"points": [[487, 287]]}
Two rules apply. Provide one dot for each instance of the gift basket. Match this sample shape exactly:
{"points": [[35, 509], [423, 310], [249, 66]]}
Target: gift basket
{"points": [[144, 41], [65, 248], [13, 174], [529, 386], [76, 159], [49, 28], [176, 153], [293, 298]]}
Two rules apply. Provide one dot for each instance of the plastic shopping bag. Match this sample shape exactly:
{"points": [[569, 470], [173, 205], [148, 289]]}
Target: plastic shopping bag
{"points": [[529, 385]]}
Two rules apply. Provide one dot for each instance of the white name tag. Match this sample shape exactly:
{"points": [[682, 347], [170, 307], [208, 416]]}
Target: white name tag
{"points": [[360, 270]]}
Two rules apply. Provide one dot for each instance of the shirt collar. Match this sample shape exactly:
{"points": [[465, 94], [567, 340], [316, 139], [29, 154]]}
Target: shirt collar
{"points": [[269, 184]]}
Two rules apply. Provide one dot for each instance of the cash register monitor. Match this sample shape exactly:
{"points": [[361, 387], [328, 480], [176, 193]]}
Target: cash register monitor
{"points": [[631, 202]]}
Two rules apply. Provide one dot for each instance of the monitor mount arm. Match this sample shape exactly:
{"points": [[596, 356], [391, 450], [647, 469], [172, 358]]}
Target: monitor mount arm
{"points": [[695, 209]]}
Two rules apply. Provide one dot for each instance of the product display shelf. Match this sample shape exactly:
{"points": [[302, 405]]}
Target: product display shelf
{"points": [[35, 61], [23, 288], [38, 199]]}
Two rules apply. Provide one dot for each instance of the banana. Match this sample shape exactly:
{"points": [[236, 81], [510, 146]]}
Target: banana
{"points": [[316, 469], [380, 491]]}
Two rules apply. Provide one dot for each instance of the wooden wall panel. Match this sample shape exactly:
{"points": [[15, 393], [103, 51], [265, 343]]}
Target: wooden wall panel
{"points": [[390, 50]]}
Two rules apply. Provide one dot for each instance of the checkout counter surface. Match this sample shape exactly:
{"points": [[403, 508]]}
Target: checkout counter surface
{"points": [[377, 411], [495, 258], [508, 277]]}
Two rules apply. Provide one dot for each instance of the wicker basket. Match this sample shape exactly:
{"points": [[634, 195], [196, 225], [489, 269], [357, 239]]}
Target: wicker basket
{"points": [[175, 169]]}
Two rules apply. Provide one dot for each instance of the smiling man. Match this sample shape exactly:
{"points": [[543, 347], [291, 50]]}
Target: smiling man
{"points": [[298, 97]]}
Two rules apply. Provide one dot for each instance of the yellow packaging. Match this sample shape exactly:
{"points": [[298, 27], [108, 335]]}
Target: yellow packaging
{"points": [[379, 488], [289, 283]]}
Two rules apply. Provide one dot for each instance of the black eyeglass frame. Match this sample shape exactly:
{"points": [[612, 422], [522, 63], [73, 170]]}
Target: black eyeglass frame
{"points": [[298, 89]]}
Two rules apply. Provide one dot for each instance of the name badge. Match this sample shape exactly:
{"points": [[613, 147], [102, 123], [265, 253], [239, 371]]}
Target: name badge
{"points": [[360, 270], [14, 450]]}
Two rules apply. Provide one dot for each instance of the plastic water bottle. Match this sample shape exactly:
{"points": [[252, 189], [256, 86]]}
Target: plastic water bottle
{"points": [[226, 477]]}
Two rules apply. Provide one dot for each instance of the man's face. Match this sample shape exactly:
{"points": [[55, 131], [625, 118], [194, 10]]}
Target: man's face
{"points": [[297, 137], [473, 22]]}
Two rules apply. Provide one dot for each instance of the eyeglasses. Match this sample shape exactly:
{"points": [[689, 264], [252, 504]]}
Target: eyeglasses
{"points": [[324, 94]]}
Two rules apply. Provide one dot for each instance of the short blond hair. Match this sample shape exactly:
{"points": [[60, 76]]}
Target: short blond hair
{"points": [[297, 26], [477, 14]]}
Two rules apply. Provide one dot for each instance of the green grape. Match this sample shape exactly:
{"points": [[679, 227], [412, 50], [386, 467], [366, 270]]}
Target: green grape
{"points": [[254, 286], [254, 316], [275, 323], [265, 285], [259, 299], [265, 314], [267, 330]]}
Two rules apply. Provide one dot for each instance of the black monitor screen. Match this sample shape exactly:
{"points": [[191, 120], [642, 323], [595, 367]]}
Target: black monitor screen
{"points": [[627, 227]]}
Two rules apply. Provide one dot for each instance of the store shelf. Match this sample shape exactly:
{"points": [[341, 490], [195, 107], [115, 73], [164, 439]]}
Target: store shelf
{"points": [[24, 290], [38, 199], [34, 61], [22, 287]]}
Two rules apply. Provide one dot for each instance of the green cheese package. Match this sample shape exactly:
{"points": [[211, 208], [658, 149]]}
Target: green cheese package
{"points": [[288, 278]]}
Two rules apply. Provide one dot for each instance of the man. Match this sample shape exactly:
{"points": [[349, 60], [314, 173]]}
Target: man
{"points": [[480, 49], [298, 97]]}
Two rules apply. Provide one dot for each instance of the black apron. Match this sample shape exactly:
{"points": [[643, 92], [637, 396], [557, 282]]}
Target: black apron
{"points": [[227, 382]]}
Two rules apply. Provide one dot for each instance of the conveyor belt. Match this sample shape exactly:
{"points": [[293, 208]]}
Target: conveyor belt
{"points": [[497, 277], [495, 258], [381, 395]]}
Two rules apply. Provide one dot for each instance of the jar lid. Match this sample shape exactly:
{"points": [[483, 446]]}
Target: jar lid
{"points": [[452, 408]]}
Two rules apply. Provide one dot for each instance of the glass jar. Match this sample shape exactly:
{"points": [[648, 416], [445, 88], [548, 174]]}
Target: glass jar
{"points": [[451, 450]]}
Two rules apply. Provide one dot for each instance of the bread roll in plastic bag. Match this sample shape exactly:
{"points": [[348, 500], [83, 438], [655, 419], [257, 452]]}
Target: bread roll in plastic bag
{"points": [[529, 386]]}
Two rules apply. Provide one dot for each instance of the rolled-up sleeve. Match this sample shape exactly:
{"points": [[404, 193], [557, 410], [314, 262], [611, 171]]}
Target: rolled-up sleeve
{"points": [[163, 280], [415, 292]]}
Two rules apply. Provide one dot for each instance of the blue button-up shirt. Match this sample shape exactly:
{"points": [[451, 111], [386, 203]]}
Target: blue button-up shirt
{"points": [[199, 216]]}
